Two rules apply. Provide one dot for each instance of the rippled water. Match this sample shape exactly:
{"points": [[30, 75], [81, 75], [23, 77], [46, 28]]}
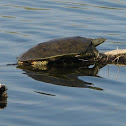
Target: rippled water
{"points": [[35, 101]]}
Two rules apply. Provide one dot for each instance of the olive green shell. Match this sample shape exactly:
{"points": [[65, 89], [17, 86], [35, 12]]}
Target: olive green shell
{"points": [[56, 47]]}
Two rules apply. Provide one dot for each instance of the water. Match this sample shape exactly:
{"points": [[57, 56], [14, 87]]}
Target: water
{"points": [[38, 102]]}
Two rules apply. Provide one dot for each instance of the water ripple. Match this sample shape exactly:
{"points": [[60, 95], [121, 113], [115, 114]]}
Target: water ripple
{"points": [[24, 24]]}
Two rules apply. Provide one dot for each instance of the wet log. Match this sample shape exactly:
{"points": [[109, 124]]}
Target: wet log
{"points": [[116, 56], [111, 57]]}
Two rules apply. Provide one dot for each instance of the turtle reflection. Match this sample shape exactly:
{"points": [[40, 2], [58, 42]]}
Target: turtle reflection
{"points": [[63, 75]]}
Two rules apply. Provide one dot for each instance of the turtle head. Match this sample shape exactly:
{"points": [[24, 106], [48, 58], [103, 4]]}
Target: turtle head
{"points": [[97, 41]]}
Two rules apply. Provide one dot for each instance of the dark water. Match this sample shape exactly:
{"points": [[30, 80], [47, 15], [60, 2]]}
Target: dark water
{"points": [[97, 98]]}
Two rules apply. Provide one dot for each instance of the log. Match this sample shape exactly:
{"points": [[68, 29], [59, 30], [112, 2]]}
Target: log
{"points": [[118, 56], [3, 93]]}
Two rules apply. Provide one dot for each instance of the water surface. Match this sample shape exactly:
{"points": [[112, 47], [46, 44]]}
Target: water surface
{"points": [[24, 24]]}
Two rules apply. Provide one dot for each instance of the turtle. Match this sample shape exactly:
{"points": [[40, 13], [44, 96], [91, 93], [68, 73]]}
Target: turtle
{"points": [[61, 50]]}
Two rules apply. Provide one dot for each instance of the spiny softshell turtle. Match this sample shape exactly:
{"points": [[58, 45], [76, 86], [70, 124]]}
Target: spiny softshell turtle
{"points": [[56, 49]]}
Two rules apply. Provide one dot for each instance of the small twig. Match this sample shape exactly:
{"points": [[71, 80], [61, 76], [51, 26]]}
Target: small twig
{"points": [[117, 58]]}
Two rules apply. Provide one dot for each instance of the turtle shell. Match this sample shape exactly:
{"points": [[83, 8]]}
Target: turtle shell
{"points": [[56, 47]]}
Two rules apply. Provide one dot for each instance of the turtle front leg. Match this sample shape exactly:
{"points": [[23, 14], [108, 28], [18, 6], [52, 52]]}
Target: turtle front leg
{"points": [[97, 55]]}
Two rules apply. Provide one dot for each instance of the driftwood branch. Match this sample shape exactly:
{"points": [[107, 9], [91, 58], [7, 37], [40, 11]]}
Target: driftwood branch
{"points": [[116, 52], [116, 56]]}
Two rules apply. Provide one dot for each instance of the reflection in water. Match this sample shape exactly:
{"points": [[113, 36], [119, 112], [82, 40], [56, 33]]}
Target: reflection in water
{"points": [[63, 75], [77, 5], [44, 93], [26, 7]]}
